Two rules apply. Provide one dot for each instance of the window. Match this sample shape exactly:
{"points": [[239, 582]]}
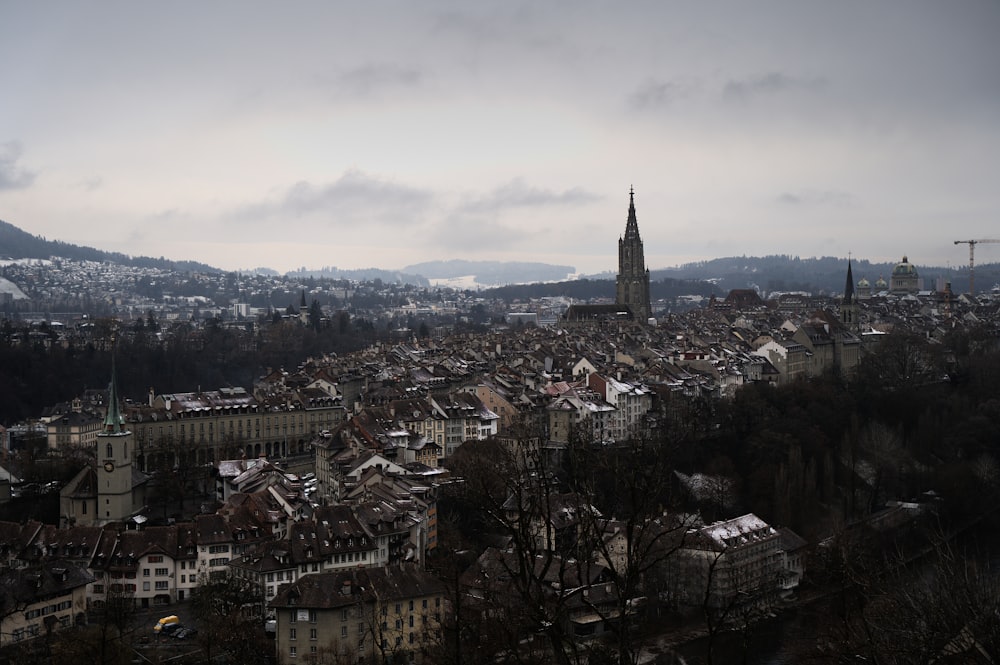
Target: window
{"points": [[291, 633], [162, 585], [292, 653], [145, 572], [162, 572], [98, 588], [343, 631], [155, 558], [312, 634]]}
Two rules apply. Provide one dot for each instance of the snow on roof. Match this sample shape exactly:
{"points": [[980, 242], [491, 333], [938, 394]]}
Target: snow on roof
{"points": [[748, 525]]}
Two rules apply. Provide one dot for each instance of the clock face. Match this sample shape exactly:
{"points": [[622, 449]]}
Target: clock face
{"points": [[109, 466]]}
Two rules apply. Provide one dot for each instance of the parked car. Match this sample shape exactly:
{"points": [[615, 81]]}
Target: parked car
{"points": [[167, 624], [185, 633]]}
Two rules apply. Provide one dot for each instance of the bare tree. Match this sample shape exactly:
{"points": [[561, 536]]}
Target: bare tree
{"points": [[515, 487], [629, 531], [229, 614]]}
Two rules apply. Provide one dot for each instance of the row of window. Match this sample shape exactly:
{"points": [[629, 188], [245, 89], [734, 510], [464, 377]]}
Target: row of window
{"points": [[160, 572], [33, 630], [44, 611]]}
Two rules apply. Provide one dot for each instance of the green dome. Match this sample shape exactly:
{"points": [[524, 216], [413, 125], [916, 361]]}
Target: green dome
{"points": [[904, 269]]}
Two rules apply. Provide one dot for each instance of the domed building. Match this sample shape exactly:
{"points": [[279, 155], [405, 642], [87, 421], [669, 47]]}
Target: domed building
{"points": [[864, 289], [904, 278], [880, 284]]}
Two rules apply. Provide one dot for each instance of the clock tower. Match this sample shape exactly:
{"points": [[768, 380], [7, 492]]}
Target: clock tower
{"points": [[115, 451]]}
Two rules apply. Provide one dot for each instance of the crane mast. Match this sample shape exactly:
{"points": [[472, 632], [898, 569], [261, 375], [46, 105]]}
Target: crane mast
{"points": [[972, 260]]}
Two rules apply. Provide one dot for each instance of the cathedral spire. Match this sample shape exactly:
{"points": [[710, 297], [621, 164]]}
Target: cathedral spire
{"points": [[632, 225]]}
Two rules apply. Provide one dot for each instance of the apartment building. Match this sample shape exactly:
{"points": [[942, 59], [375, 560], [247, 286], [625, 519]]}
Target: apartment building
{"points": [[368, 615]]}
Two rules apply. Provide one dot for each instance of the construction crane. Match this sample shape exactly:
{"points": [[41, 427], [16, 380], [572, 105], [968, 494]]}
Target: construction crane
{"points": [[972, 261]]}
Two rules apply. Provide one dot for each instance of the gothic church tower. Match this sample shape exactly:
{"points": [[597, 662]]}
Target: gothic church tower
{"points": [[633, 276]]}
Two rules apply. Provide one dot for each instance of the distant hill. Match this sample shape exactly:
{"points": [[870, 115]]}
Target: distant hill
{"points": [[17, 244], [766, 274], [486, 273], [825, 274], [361, 275], [492, 273]]}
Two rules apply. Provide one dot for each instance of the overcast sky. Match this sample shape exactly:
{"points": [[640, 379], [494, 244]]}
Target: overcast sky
{"points": [[288, 134]]}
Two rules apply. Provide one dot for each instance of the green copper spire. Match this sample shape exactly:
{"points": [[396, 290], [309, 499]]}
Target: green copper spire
{"points": [[114, 420]]}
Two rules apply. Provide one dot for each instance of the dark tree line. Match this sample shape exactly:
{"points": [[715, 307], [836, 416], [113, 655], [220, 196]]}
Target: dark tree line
{"points": [[42, 372]]}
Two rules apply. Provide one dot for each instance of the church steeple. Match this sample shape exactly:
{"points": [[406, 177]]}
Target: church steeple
{"points": [[849, 306], [114, 420], [849, 287], [116, 498], [632, 289]]}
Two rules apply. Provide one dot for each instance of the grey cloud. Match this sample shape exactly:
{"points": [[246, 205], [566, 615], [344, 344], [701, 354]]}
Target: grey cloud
{"points": [[371, 80], [355, 195], [815, 198], [465, 224], [12, 175], [769, 84], [92, 184], [516, 194], [656, 94]]}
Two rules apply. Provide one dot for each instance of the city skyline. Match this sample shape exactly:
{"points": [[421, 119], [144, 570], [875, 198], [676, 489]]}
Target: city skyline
{"points": [[329, 134]]}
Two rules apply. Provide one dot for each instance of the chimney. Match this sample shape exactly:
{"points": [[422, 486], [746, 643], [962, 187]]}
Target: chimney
{"points": [[152, 395]]}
